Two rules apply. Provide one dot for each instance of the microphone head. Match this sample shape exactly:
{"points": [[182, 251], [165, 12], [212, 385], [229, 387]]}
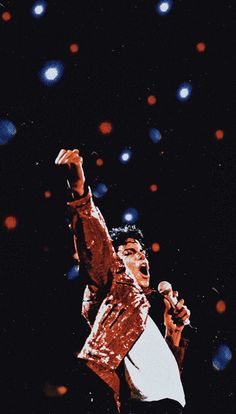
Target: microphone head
{"points": [[164, 287]]}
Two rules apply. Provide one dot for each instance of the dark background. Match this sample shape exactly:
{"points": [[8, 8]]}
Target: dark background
{"points": [[127, 52]]}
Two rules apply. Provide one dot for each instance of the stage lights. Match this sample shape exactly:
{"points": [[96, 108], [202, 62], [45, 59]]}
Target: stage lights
{"points": [[125, 156], [156, 247], [51, 72], [184, 91], [219, 134], [221, 358], [154, 135], [73, 273], [7, 131], [130, 216], [164, 7], [39, 8], [151, 100], [105, 127], [10, 222], [100, 190]]}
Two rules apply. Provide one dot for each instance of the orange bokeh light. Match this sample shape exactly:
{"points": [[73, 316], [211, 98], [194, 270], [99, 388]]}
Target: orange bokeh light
{"points": [[220, 306], [151, 100], [219, 134], [47, 194], [153, 188], [105, 127], [62, 390], [10, 222], [6, 16], [201, 47], [74, 48], [156, 247], [99, 162]]}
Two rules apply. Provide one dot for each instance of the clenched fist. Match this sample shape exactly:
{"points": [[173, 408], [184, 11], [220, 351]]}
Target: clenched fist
{"points": [[74, 161]]}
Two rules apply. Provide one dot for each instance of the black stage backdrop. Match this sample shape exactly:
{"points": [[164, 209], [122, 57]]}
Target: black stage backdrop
{"points": [[122, 63]]}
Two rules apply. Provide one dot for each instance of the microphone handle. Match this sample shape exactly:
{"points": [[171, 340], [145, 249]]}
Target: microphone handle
{"points": [[173, 301]]}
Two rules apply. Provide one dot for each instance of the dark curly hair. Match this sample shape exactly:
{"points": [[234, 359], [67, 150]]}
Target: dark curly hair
{"points": [[119, 235]]}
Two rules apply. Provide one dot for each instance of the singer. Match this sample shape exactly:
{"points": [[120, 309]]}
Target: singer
{"points": [[124, 349]]}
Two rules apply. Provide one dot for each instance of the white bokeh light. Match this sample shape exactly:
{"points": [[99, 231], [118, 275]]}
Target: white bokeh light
{"points": [[164, 7], [51, 73], [184, 92], [39, 9], [128, 217], [125, 156]]}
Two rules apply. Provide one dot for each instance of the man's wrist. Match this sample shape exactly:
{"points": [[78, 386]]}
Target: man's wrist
{"points": [[173, 335], [79, 191]]}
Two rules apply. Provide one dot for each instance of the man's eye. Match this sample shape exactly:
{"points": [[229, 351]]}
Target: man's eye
{"points": [[128, 253]]}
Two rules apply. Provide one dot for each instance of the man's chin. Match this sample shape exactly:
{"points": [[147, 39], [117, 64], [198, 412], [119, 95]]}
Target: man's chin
{"points": [[144, 283]]}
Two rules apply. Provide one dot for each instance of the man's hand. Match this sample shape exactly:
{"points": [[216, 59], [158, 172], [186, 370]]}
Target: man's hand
{"points": [[174, 319], [74, 161]]}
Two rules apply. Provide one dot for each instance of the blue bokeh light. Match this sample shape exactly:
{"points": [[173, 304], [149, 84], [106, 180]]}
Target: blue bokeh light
{"points": [[184, 91], [39, 8], [163, 7], [51, 72], [130, 215], [221, 357], [154, 135], [100, 190], [125, 156], [7, 131], [73, 273]]}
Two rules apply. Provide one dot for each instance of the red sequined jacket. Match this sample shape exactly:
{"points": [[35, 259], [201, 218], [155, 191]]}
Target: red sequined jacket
{"points": [[114, 305]]}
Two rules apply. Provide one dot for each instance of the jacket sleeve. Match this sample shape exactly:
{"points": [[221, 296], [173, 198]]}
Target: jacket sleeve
{"points": [[178, 351], [92, 240]]}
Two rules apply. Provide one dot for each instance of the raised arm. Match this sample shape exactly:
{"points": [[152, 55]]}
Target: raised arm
{"points": [[91, 236]]}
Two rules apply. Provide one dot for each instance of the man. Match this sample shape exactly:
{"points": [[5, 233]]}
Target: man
{"points": [[116, 307]]}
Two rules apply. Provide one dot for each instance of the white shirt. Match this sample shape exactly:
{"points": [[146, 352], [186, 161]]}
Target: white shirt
{"points": [[151, 369]]}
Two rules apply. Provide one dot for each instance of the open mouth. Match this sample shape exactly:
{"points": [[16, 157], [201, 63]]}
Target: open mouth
{"points": [[143, 269]]}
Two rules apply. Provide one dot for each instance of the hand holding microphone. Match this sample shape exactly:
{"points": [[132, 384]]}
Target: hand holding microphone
{"points": [[180, 312]]}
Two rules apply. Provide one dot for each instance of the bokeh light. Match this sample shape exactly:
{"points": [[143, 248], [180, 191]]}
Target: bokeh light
{"points": [[10, 222], [99, 162], [151, 100], [164, 7], [7, 131], [39, 8], [105, 127], [62, 390], [51, 72], [201, 47], [6, 16], [153, 188], [125, 156], [73, 273], [47, 194], [100, 190], [130, 215], [54, 391], [156, 247], [219, 134], [74, 48], [154, 135], [221, 306], [221, 357], [184, 91]]}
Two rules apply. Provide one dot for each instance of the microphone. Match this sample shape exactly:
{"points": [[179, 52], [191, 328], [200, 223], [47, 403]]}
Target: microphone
{"points": [[165, 289]]}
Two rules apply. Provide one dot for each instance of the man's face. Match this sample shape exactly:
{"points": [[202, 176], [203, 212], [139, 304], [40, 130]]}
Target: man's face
{"points": [[135, 260]]}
